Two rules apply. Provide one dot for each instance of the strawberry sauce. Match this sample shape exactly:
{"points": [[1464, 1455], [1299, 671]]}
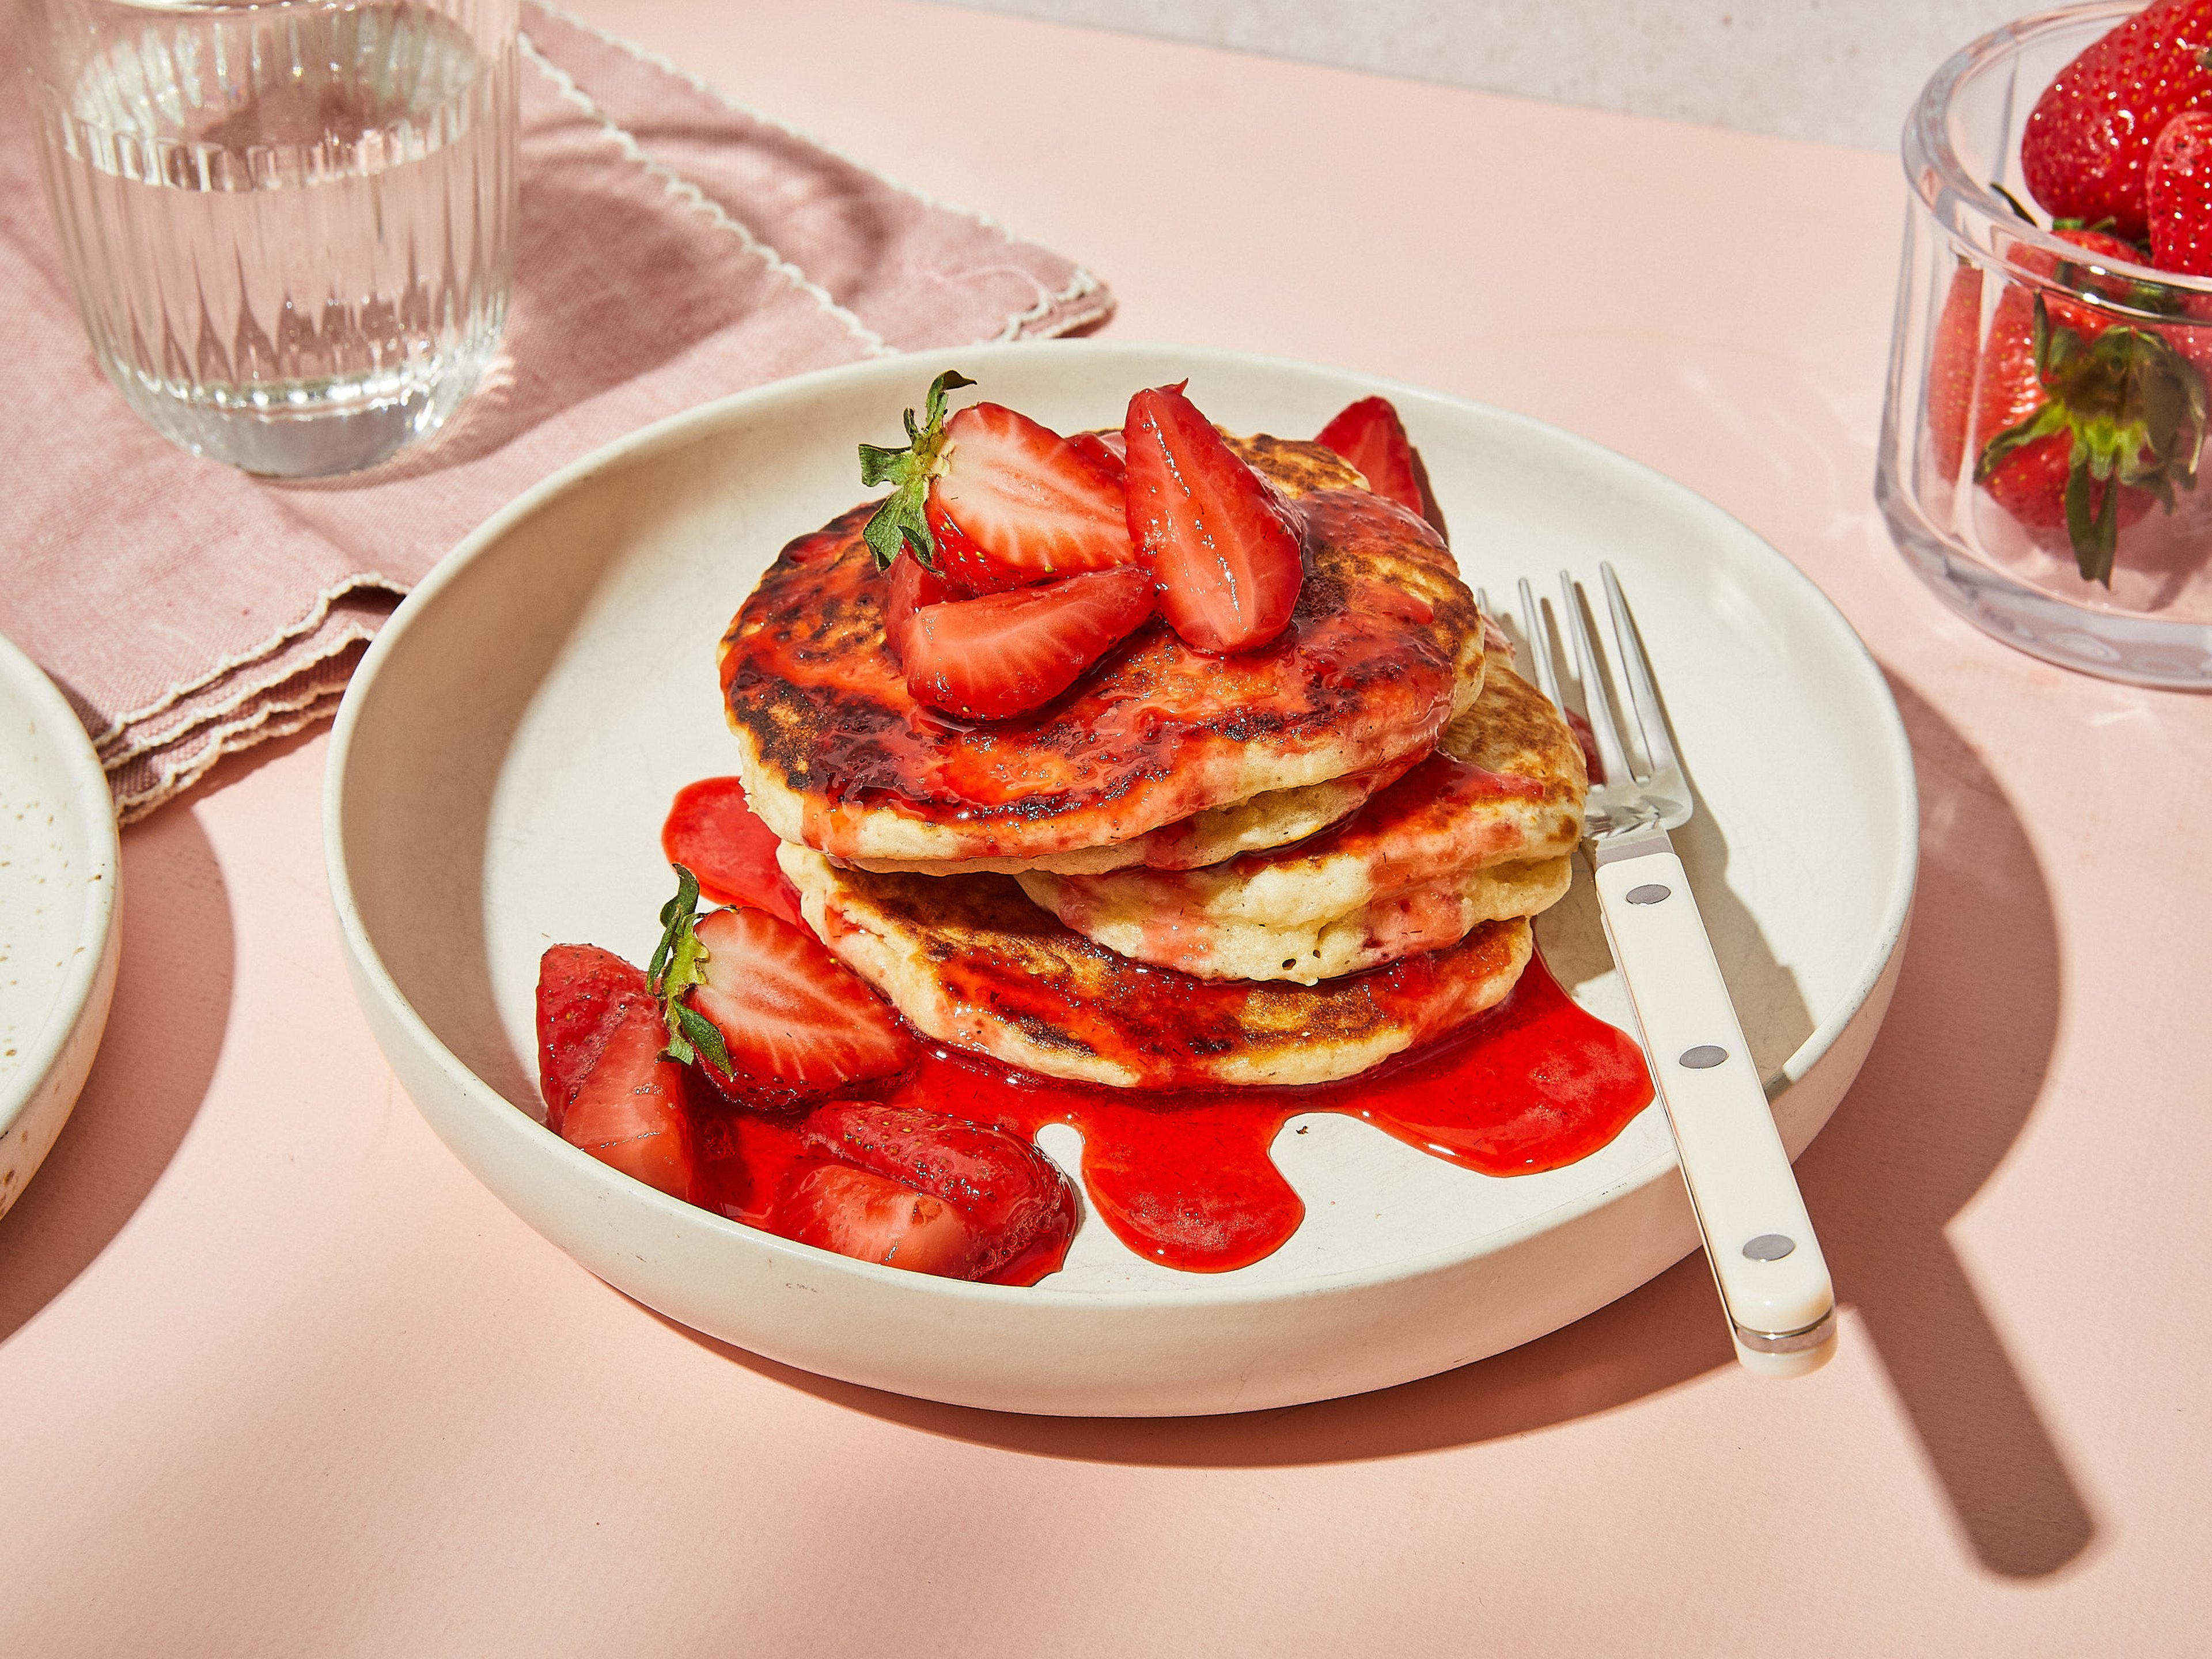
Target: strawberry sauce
{"points": [[1183, 1177], [713, 833], [1154, 731]]}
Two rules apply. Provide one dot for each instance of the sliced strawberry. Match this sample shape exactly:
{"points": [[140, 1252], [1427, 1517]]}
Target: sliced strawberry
{"points": [[1106, 452], [1006, 653], [794, 1021], [1008, 1191], [1218, 541], [1585, 740], [911, 588], [1027, 505], [1370, 434], [583, 993], [629, 1113], [711, 831], [836, 1207], [608, 1088], [965, 567], [992, 499]]}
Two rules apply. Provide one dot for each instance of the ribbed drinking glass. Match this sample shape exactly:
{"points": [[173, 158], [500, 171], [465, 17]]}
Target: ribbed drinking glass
{"points": [[290, 226]]}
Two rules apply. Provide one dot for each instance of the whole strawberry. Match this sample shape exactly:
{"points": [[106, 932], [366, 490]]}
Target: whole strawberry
{"points": [[2080, 424], [1954, 355], [2181, 226], [2087, 152], [2180, 195]]}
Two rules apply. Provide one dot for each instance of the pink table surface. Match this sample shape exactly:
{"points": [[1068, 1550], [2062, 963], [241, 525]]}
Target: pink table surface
{"points": [[277, 1377]]}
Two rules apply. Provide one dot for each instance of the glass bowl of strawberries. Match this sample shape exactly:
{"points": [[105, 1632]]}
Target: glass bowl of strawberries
{"points": [[2047, 410]]}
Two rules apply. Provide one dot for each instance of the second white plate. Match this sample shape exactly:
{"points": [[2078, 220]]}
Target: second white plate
{"points": [[60, 875], [509, 746]]}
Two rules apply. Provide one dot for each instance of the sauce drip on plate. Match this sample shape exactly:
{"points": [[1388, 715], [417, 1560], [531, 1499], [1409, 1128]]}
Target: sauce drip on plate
{"points": [[1183, 1177], [713, 833]]}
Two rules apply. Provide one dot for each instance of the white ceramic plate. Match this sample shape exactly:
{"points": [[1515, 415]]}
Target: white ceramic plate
{"points": [[59, 890], [507, 749]]}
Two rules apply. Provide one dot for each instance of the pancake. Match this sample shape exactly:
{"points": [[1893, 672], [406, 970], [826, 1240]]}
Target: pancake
{"points": [[969, 960], [1478, 831], [1384, 647], [1430, 916], [1273, 818]]}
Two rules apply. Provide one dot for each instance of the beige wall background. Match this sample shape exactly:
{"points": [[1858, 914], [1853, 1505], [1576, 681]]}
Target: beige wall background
{"points": [[1836, 71]]}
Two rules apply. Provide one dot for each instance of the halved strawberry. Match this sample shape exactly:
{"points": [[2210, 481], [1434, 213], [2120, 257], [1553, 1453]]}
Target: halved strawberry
{"points": [[1006, 653], [911, 587], [794, 1020], [992, 499], [608, 1087], [1028, 505], [1219, 542], [629, 1111], [836, 1207], [1106, 452], [1370, 434], [583, 993], [711, 831], [1586, 740], [1008, 1191]]}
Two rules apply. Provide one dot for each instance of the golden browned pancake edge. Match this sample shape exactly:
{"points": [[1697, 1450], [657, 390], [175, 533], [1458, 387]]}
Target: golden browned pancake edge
{"points": [[969, 961], [1348, 901], [836, 753]]}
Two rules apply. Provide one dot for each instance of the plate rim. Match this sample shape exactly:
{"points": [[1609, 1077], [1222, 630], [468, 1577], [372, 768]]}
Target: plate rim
{"points": [[22, 680], [680, 428]]}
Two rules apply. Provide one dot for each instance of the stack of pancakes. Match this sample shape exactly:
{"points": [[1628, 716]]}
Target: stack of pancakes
{"points": [[1189, 871]]}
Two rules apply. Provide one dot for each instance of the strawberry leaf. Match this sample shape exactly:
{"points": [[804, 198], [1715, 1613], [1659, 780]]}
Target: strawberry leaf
{"points": [[2047, 419], [901, 523], [705, 1036], [2096, 539], [2134, 410], [2013, 202], [677, 964]]}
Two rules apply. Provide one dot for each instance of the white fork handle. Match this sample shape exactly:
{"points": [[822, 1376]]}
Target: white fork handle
{"points": [[1767, 1262]]}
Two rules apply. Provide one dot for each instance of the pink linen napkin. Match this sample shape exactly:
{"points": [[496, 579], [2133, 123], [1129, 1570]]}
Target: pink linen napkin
{"points": [[674, 245]]}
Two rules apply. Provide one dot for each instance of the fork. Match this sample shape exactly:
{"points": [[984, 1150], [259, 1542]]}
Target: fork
{"points": [[1767, 1262]]}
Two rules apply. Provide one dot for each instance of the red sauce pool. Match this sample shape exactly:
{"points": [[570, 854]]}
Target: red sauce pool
{"points": [[713, 833], [1183, 1177]]}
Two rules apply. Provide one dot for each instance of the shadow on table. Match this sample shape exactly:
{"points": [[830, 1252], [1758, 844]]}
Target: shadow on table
{"points": [[164, 1030], [1957, 1069]]}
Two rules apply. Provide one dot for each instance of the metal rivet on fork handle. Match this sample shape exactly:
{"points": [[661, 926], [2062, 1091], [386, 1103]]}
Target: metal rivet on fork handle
{"points": [[1770, 1247], [1650, 893], [1703, 1057]]}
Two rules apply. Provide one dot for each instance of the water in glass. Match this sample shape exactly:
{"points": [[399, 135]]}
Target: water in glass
{"points": [[290, 228]]}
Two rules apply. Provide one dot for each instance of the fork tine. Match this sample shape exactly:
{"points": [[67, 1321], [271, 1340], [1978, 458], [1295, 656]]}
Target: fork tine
{"points": [[1497, 618], [1596, 704], [1650, 716], [1540, 645]]}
